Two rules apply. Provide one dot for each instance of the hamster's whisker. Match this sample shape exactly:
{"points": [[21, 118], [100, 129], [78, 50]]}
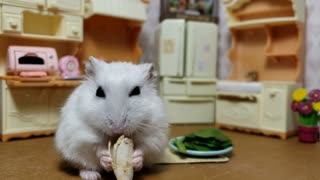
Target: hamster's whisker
{"points": [[142, 125]]}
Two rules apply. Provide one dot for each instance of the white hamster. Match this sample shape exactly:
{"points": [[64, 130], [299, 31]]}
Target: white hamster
{"points": [[116, 98]]}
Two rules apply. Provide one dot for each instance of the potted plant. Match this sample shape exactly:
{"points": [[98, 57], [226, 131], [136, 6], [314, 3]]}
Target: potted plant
{"points": [[307, 105]]}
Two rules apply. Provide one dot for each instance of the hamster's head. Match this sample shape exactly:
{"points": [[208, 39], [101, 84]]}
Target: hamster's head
{"points": [[119, 97]]}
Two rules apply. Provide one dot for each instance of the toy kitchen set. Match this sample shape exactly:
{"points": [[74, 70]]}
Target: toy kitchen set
{"points": [[44, 45]]}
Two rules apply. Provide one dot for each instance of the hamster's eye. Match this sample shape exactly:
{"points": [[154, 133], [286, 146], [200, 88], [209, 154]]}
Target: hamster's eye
{"points": [[100, 92], [135, 91]]}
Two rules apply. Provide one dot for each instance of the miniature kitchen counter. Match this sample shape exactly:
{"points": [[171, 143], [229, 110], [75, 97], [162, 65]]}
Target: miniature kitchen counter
{"points": [[254, 157]]}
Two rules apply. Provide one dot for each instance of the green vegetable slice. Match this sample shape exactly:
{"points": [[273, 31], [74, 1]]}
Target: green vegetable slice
{"points": [[181, 147], [203, 140]]}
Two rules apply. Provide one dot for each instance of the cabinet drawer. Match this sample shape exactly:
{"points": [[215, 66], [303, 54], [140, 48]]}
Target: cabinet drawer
{"points": [[12, 22], [74, 27], [174, 86], [39, 4], [72, 6], [238, 111], [201, 87], [189, 110]]}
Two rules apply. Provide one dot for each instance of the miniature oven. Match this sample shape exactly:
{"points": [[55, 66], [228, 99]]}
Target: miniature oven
{"points": [[28, 61]]}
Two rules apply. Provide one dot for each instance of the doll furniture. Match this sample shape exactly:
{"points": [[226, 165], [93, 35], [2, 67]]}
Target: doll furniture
{"points": [[187, 55], [76, 29], [267, 57], [56, 19]]}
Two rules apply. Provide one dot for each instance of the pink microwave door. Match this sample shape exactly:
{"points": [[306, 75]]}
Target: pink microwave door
{"points": [[27, 61]]}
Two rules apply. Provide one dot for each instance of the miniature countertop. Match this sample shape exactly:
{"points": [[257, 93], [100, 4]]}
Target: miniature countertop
{"points": [[49, 81], [254, 157]]}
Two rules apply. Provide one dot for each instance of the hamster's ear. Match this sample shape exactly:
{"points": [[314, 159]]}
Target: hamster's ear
{"points": [[91, 67], [151, 72]]}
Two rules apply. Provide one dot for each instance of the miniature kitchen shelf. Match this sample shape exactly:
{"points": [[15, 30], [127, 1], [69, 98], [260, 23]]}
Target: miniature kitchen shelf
{"points": [[252, 13], [18, 19], [268, 49], [281, 43], [111, 30], [123, 9]]}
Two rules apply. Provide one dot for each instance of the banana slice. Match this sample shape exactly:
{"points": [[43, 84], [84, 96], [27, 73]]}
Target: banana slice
{"points": [[122, 158]]}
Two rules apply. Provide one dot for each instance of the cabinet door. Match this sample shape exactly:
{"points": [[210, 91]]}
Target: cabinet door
{"points": [[275, 109], [171, 47], [26, 3], [201, 49], [57, 98], [27, 109], [75, 6], [1, 19]]}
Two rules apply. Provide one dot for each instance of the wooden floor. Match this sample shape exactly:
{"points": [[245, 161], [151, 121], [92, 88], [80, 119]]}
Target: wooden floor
{"points": [[254, 157]]}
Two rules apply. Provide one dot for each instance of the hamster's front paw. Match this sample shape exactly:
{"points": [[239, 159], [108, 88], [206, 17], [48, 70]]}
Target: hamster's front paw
{"points": [[89, 175], [137, 159], [106, 160]]}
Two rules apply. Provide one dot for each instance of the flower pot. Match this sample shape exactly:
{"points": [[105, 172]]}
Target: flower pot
{"points": [[308, 134]]}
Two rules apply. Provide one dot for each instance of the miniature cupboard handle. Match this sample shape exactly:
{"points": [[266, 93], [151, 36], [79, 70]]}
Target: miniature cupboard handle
{"points": [[54, 4], [13, 24], [189, 100], [40, 3], [177, 81], [202, 82]]}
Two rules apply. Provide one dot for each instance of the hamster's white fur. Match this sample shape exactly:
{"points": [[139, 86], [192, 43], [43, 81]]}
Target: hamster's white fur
{"points": [[89, 122]]}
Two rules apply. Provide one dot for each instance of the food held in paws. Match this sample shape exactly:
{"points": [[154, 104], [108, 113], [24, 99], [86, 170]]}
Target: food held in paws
{"points": [[122, 158]]}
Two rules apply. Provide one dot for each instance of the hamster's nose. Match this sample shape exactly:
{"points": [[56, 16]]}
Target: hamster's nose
{"points": [[118, 127]]}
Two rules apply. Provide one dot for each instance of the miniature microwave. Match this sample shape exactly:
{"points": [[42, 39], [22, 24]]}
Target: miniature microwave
{"points": [[29, 61]]}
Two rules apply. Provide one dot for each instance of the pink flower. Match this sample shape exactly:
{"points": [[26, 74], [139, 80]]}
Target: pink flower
{"points": [[295, 106], [314, 95], [305, 108]]}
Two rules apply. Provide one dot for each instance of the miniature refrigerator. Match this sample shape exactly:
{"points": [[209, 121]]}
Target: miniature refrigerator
{"points": [[187, 55]]}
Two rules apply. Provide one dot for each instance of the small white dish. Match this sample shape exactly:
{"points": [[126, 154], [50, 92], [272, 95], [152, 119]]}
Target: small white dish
{"points": [[174, 148]]}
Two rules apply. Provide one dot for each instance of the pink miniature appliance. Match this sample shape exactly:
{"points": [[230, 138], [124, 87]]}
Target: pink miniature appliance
{"points": [[29, 61]]}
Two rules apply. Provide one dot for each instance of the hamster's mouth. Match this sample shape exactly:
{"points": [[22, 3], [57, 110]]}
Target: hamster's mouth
{"points": [[114, 137]]}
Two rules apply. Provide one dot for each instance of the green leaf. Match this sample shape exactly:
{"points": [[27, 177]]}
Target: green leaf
{"points": [[212, 133], [181, 147], [204, 140]]}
